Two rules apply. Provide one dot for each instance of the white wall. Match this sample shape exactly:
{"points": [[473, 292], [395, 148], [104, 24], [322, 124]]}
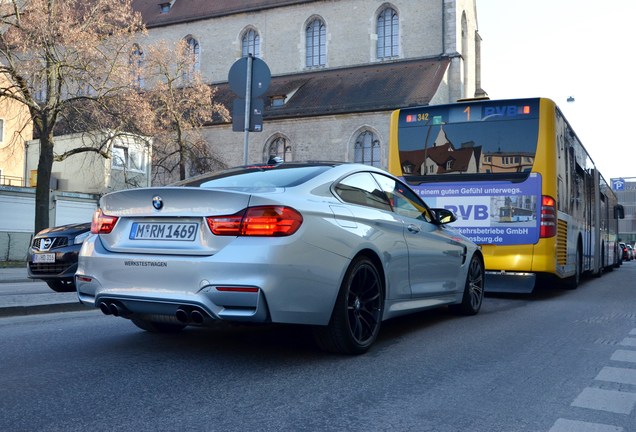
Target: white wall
{"points": [[17, 217]]}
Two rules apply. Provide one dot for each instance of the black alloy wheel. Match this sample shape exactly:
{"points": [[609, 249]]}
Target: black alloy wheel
{"points": [[357, 315], [473, 289]]}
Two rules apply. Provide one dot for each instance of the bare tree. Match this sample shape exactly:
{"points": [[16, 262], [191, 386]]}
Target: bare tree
{"points": [[65, 59], [183, 103]]}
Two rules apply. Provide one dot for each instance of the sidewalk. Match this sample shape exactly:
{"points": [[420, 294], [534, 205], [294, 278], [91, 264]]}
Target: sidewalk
{"points": [[16, 298]]}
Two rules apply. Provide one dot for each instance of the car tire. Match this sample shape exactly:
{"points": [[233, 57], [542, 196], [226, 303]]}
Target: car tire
{"points": [[61, 285], [473, 289], [156, 326], [357, 314]]}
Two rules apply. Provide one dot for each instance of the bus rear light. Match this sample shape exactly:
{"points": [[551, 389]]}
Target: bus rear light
{"points": [[101, 223], [548, 220], [263, 221]]}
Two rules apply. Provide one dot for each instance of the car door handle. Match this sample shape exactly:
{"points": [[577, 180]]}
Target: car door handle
{"points": [[413, 228]]}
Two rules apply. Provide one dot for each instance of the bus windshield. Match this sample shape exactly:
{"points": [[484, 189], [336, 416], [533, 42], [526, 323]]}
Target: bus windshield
{"points": [[494, 140]]}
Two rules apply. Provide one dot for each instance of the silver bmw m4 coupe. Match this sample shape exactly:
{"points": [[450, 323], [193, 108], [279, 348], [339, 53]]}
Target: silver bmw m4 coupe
{"points": [[336, 246]]}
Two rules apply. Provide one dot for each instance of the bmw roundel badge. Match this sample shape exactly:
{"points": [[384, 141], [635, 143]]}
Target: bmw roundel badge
{"points": [[157, 202]]}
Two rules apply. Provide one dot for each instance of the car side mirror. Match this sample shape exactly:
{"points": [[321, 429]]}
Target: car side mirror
{"points": [[444, 216]]}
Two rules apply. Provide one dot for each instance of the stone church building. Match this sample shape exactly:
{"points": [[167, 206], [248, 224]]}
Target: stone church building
{"points": [[338, 67]]}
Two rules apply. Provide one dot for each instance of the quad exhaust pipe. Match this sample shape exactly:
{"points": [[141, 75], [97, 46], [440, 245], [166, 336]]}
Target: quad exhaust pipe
{"points": [[190, 316], [185, 315], [112, 308]]}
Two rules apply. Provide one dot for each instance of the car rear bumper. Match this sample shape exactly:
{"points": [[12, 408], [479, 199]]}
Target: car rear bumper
{"points": [[280, 281]]}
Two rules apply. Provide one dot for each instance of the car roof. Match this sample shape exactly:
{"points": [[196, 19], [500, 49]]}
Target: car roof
{"points": [[259, 166]]}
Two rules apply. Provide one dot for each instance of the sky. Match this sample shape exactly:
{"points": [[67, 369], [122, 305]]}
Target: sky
{"points": [[561, 48]]}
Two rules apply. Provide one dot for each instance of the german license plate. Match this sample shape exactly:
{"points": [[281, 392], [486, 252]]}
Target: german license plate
{"points": [[44, 258], [164, 231]]}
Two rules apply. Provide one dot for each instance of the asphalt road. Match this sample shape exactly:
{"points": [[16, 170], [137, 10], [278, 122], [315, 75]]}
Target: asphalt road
{"points": [[553, 361]]}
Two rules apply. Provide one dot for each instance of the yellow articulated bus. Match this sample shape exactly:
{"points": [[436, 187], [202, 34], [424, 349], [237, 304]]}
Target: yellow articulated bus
{"points": [[520, 182]]}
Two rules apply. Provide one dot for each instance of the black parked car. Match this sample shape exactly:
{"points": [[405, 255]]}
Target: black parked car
{"points": [[53, 255]]}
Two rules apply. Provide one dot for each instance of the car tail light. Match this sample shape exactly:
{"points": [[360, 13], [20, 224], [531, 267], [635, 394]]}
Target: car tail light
{"points": [[237, 289], [548, 217], [264, 221], [101, 223]]}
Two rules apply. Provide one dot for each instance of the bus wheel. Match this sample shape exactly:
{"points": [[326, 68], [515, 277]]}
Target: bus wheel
{"points": [[573, 281], [601, 269]]}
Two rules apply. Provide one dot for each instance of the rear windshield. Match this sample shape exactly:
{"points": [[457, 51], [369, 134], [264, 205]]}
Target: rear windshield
{"points": [[259, 177], [494, 139]]}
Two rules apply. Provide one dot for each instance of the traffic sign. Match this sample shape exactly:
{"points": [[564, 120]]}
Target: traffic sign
{"points": [[261, 77], [256, 115], [249, 78], [618, 184]]}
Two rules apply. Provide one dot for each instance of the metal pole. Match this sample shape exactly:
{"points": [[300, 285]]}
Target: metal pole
{"points": [[248, 108]]}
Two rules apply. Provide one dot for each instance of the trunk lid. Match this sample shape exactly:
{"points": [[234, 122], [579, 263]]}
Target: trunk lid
{"points": [[168, 220]]}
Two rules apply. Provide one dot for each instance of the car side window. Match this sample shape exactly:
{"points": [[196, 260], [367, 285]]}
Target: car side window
{"points": [[405, 202], [362, 189]]}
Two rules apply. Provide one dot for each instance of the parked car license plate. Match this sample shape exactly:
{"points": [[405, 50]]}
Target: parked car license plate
{"points": [[164, 231], [44, 258]]}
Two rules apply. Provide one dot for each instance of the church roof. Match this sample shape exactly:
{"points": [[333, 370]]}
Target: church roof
{"points": [[369, 88], [180, 11]]}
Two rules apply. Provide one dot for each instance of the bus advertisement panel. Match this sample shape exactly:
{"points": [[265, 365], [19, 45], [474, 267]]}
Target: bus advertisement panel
{"points": [[497, 213]]}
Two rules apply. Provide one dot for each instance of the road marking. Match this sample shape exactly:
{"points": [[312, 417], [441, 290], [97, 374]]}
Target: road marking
{"points": [[617, 375], [606, 400], [564, 425], [624, 356], [628, 342]]}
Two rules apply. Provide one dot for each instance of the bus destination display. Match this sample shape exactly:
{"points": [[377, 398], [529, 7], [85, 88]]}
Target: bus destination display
{"points": [[463, 113]]}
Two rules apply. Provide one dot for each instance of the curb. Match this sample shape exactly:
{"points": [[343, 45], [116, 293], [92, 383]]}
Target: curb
{"points": [[16, 280], [14, 311]]}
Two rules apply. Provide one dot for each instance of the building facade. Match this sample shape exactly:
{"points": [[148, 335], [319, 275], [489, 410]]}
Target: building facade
{"points": [[625, 190], [338, 67], [15, 129], [90, 172]]}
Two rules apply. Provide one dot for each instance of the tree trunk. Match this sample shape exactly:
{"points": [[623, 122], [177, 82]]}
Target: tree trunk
{"points": [[42, 189], [182, 153]]}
